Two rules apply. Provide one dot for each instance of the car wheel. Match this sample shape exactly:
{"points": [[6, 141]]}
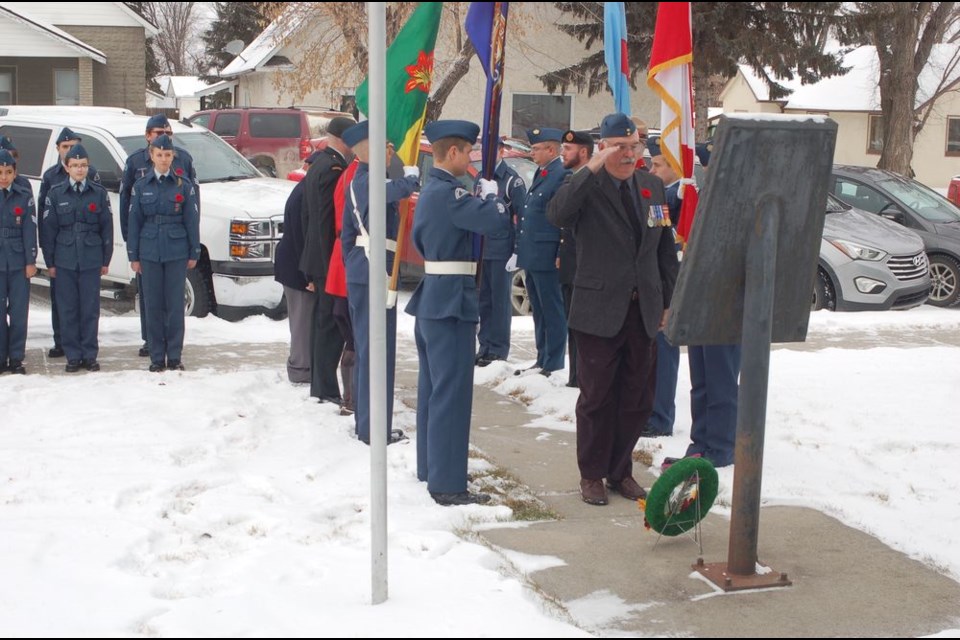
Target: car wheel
{"points": [[265, 166], [944, 281], [823, 293], [518, 294], [198, 292]]}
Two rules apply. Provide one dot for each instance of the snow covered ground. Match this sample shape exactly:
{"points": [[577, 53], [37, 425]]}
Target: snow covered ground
{"points": [[216, 502]]}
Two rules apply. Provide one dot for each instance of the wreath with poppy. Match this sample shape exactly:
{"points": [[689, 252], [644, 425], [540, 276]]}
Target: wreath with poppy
{"points": [[681, 497]]}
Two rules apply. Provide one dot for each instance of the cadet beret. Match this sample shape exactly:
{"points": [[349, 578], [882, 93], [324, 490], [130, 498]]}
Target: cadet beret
{"points": [[77, 152], [356, 134], [67, 135], [653, 146], [6, 159], [452, 129], [579, 137], [158, 121], [338, 125], [617, 125], [544, 135], [703, 151], [162, 142], [7, 143]]}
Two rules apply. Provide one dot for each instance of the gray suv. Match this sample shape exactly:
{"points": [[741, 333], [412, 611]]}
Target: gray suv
{"points": [[868, 263]]}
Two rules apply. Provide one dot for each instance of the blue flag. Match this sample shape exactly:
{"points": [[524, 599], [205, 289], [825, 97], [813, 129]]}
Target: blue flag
{"points": [[486, 26], [615, 54]]}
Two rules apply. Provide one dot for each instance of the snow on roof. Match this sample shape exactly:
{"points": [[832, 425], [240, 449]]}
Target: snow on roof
{"points": [[263, 47], [49, 30], [857, 90], [184, 86]]}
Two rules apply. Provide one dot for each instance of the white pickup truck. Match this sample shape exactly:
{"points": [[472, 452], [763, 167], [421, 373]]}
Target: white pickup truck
{"points": [[241, 212]]}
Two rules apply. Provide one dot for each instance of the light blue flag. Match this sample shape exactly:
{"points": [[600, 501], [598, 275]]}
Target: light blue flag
{"points": [[615, 54]]}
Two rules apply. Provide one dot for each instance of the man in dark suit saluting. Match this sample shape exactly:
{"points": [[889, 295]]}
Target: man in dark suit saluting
{"points": [[626, 270]]}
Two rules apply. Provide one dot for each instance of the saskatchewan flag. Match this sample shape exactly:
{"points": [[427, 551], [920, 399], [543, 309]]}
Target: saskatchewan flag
{"points": [[409, 75]]}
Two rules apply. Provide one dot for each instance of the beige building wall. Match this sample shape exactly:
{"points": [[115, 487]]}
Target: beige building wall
{"points": [[933, 166], [120, 82]]}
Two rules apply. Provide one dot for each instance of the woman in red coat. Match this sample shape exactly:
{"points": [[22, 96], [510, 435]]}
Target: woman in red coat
{"points": [[337, 286]]}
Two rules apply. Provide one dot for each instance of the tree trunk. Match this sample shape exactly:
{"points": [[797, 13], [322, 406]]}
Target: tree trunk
{"points": [[706, 92], [895, 40], [461, 66]]}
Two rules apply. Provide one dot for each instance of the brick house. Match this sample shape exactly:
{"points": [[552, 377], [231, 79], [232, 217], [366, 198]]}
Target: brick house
{"points": [[68, 53]]}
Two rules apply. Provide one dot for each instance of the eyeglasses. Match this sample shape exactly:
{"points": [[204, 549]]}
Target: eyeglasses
{"points": [[160, 132], [643, 136]]}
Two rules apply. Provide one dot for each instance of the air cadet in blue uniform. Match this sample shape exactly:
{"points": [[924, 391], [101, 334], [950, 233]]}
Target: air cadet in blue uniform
{"points": [[164, 241], [537, 249], [18, 257], [496, 282], [51, 178], [7, 144], [446, 307], [77, 233], [355, 241], [138, 166]]}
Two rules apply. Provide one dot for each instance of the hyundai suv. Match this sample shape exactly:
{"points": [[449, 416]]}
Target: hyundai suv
{"points": [[276, 141]]}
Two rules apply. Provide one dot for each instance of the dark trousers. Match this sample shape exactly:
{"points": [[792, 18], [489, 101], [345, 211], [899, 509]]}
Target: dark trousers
{"points": [[326, 346], [14, 305], [444, 402], [143, 309], [714, 375], [78, 298], [55, 314], [665, 400], [616, 397], [571, 342], [341, 315], [496, 312], [358, 296], [549, 321], [163, 284]]}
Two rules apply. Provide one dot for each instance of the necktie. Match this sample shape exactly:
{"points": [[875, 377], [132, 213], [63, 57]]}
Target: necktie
{"points": [[631, 208], [76, 187], [6, 192]]}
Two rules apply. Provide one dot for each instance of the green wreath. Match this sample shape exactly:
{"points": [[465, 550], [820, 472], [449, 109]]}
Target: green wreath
{"points": [[676, 491]]}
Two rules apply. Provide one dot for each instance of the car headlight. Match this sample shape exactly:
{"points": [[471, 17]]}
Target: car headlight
{"points": [[251, 250], [858, 252], [250, 229]]}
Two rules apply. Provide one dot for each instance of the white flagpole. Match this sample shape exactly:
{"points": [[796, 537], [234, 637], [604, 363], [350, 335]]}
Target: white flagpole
{"points": [[378, 286]]}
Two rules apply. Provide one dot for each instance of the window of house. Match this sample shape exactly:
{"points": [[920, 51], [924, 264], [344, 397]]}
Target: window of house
{"points": [[66, 86], [540, 110], [875, 135], [953, 135], [8, 85], [227, 124]]}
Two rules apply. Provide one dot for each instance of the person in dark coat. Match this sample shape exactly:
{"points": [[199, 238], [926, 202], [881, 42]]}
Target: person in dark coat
{"points": [[626, 271], [77, 232], [576, 151], [319, 231], [446, 307], [300, 300], [496, 283], [52, 177], [164, 242], [18, 258]]}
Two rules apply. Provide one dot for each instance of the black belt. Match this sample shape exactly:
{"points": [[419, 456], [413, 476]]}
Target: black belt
{"points": [[163, 219], [7, 232], [81, 226]]}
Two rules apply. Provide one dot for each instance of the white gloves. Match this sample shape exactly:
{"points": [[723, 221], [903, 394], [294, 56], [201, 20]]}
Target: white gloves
{"points": [[488, 188], [413, 172], [512, 264]]}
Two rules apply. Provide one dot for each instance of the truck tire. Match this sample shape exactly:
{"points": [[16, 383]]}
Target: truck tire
{"points": [[198, 292]]}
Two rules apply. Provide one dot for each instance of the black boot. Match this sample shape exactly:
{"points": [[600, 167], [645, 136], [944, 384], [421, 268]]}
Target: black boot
{"points": [[347, 362]]}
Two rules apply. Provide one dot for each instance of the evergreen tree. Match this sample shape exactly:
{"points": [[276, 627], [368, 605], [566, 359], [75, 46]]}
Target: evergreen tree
{"points": [[234, 21]]}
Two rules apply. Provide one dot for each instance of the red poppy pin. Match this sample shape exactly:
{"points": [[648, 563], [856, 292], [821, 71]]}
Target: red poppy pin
{"points": [[93, 207], [179, 197], [179, 172], [18, 211], [543, 173], [645, 193]]}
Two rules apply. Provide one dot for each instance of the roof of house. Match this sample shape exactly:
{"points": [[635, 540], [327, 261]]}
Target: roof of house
{"points": [[858, 89], [259, 52], [181, 86], [49, 31]]}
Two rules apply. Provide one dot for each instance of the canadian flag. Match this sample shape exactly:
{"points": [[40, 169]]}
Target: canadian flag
{"points": [[670, 75]]}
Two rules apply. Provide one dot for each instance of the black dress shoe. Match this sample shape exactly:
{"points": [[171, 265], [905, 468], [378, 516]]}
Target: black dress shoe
{"points": [[396, 436], [649, 432], [156, 368], [175, 365], [520, 372], [91, 365], [144, 351], [545, 373], [486, 360], [55, 352], [458, 499], [331, 399], [573, 384], [72, 366], [16, 366]]}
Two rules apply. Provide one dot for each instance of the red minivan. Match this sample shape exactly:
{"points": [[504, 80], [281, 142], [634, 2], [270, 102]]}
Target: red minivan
{"points": [[953, 191]]}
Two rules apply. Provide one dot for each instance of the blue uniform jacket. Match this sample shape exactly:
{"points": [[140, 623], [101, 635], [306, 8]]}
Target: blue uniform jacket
{"points": [[54, 176], [446, 216], [286, 266], [77, 229], [354, 257], [539, 240], [139, 165], [164, 220], [18, 228], [513, 192]]}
